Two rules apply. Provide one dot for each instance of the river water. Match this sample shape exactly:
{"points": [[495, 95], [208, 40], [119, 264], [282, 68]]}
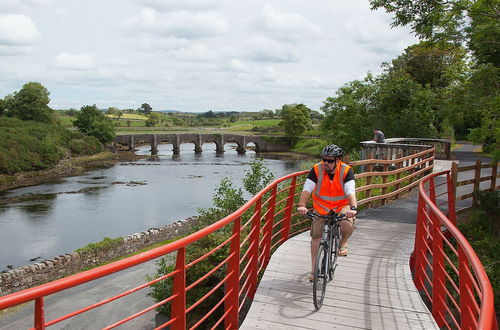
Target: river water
{"points": [[124, 199]]}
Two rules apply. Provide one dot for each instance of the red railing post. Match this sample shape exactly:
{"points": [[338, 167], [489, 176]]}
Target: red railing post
{"points": [[178, 309], [39, 314], [268, 226], [254, 249], [438, 272], [287, 221], [232, 284], [466, 291], [420, 251]]}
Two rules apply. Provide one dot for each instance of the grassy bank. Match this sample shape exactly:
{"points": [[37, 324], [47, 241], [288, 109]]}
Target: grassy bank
{"points": [[29, 145]]}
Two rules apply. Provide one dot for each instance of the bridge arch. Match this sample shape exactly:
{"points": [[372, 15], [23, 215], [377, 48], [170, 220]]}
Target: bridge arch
{"points": [[241, 141]]}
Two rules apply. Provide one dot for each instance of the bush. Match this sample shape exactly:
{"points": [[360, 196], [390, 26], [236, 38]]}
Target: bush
{"points": [[226, 200], [482, 230], [89, 145], [29, 145]]}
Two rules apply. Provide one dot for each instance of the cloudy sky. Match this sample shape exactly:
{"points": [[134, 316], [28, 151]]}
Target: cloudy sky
{"points": [[192, 55]]}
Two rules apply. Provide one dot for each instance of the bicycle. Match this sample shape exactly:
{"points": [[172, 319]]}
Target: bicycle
{"points": [[326, 259]]}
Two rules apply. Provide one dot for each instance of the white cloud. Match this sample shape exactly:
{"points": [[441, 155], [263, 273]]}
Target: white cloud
{"points": [[173, 5], [17, 30], [194, 52], [285, 25], [180, 24], [79, 62], [193, 55], [263, 49]]}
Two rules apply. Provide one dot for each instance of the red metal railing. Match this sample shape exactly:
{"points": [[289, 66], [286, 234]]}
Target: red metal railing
{"points": [[250, 235], [446, 268]]}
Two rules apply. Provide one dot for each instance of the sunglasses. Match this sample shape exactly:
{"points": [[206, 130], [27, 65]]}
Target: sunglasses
{"points": [[330, 161]]}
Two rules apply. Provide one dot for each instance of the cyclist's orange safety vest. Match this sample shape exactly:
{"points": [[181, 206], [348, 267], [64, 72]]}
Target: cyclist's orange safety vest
{"points": [[329, 195]]}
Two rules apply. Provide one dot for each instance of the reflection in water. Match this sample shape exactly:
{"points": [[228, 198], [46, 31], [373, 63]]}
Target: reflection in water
{"points": [[118, 201], [36, 208]]}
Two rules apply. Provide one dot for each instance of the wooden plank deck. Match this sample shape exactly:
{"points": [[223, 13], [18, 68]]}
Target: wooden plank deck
{"points": [[372, 287]]}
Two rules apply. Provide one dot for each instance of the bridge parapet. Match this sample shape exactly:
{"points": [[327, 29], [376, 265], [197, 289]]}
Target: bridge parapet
{"points": [[261, 144], [402, 147]]}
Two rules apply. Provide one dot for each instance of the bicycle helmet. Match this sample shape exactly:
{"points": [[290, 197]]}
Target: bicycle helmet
{"points": [[332, 150]]}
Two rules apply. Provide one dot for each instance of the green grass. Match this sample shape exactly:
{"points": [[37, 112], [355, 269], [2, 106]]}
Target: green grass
{"points": [[66, 121], [106, 244], [310, 146]]}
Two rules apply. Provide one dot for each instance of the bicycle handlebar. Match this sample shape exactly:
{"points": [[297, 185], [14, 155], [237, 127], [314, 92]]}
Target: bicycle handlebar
{"points": [[334, 216]]}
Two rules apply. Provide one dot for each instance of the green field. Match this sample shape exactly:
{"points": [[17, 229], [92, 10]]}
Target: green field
{"points": [[128, 116]]}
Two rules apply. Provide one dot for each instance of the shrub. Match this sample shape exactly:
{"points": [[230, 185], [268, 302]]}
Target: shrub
{"points": [[226, 200], [29, 145]]}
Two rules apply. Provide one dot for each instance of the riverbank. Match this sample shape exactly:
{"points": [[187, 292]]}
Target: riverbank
{"points": [[66, 168]]}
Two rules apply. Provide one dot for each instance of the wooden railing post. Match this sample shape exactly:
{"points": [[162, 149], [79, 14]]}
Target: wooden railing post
{"points": [[268, 226], [454, 177], [368, 194], [39, 314], [178, 309], [452, 213], [232, 284], [254, 248], [398, 175], [493, 176], [384, 181], [477, 181], [289, 208]]}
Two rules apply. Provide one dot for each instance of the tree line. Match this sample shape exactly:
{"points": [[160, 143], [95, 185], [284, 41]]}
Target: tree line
{"points": [[445, 86]]}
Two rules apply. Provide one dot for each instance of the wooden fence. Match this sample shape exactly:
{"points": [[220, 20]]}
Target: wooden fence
{"points": [[383, 179], [476, 181]]}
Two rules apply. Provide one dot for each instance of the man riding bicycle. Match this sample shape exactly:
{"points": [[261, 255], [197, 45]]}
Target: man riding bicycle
{"points": [[332, 186]]}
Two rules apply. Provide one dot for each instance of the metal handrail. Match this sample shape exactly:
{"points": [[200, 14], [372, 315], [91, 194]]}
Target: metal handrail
{"points": [[233, 299], [440, 251]]}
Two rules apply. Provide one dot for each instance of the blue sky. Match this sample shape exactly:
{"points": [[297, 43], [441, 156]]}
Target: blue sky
{"points": [[192, 55]]}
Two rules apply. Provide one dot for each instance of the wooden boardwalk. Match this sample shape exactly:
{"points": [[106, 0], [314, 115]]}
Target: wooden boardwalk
{"points": [[372, 287]]}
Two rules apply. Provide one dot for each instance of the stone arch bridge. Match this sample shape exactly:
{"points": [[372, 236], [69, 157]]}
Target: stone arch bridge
{"points": [[261, 144]]}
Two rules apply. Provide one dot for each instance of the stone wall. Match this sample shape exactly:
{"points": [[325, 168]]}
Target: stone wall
{"points": [[49, 270]]}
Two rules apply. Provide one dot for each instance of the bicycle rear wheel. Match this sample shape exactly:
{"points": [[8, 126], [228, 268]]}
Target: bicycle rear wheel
{"points": [[320, 276]]}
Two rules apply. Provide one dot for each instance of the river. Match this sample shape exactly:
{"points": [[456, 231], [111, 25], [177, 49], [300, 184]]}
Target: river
{"points": [[124, 199]]}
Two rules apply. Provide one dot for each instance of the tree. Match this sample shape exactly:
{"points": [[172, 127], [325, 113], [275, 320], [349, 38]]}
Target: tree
{"points": [[31, 103], [474, 22], [146, 108], [349, 115], [154, 118], [112, 111], [434, 64], [404, 108], [296, 119], [484, 32], [119, 114], [3, 106], [91, 121], [430, 20]]}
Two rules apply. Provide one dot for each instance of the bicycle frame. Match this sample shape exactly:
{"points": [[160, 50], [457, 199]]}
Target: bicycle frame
{"points": [[324, 263]]}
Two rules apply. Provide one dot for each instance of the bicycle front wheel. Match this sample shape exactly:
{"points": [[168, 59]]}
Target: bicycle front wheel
{"points": [[320, 276], [334, 253]]}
